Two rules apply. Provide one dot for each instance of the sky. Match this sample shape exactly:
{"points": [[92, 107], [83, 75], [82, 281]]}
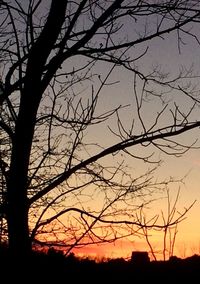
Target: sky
{"points": [[166, 54]]}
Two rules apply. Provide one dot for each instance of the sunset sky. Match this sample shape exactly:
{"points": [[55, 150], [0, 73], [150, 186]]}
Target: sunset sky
{"points": [[169, 57], [164, 53]]}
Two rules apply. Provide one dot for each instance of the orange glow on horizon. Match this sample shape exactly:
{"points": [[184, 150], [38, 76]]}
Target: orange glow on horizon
{"points": [[124, 249], [187, 243]]}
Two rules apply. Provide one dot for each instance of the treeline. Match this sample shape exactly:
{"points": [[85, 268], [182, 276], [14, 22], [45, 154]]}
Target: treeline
{"points": [[55, 266]]}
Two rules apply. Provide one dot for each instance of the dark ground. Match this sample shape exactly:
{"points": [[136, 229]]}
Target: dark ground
{"points": [[54, 267]]}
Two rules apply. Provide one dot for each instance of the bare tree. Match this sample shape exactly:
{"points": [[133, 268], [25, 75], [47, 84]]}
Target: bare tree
{"points": [[168, 231], [52, 172]]}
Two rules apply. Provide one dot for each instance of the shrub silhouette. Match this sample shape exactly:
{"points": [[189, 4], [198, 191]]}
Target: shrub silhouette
{"points": [[55, 266]]}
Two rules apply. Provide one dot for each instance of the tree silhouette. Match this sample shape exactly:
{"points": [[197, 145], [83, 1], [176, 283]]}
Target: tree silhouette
{"points": [[50, 85]]}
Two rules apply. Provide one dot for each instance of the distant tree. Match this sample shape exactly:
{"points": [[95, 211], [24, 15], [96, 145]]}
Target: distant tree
{"points": [[52, 172], [168, 232]]}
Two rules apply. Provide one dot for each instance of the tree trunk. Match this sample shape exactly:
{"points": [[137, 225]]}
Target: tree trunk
{"points": [[17, 198], [17, 201], [18, 231], [31, 94], [19, 250]]}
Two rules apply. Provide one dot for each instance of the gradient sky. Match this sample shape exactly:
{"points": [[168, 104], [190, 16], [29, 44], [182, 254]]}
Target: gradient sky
{"points": [[166, 54]]}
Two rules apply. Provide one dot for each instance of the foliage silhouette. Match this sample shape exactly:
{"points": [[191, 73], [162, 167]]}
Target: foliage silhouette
{"points": [[54, 265]]}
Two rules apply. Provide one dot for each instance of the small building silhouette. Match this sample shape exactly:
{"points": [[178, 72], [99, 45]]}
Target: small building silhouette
{"points": [[140, 257]]}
